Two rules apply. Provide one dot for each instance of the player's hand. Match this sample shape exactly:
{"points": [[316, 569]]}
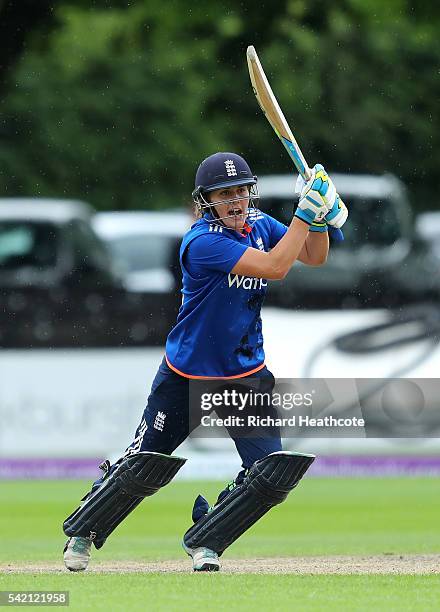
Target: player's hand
{"points": [[317, 197], [337, 215]]}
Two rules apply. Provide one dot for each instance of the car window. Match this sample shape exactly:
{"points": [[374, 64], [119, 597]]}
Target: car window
{"points": [[372, 221], [27, 244], [86, 245], [142, 252]]}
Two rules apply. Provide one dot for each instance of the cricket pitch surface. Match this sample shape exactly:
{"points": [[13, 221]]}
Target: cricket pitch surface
{"points": [[343, 564]]}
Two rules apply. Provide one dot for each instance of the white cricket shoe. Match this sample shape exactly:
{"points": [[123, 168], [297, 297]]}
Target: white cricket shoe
{"points": [[77, 554], [204, 559]]}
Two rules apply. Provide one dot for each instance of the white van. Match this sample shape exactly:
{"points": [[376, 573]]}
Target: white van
{"points": [[378, 238]]}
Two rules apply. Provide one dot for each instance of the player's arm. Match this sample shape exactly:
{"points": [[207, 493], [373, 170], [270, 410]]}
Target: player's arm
{"points": [[316, 200], [315, 249], [275, 264]]}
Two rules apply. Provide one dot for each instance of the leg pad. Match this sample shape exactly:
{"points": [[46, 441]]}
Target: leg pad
{"points": [[138, 476], [267, 484]]}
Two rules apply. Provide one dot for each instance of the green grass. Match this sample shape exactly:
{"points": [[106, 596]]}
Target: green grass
{"points": [[214, 592], [322, 517]]}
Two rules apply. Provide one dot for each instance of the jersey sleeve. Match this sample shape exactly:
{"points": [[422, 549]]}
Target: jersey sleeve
{"points": [[277, 230], [213, 252]]}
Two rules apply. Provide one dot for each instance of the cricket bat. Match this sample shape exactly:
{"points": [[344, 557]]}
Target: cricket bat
{"points": [[270, 107]]}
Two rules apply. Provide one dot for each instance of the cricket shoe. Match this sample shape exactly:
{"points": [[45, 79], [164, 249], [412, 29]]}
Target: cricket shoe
{"points": [[204, 559], [77, 554]]}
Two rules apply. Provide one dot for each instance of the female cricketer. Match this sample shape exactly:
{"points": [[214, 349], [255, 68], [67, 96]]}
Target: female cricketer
{"points": [[226, 258]]}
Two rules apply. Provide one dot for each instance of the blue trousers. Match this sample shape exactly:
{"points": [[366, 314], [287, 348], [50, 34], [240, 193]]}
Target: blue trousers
{"points": [[165, 421]]}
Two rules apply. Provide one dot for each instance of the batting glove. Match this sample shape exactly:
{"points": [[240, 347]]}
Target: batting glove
{"points": [[338, 214], [317, 197]]}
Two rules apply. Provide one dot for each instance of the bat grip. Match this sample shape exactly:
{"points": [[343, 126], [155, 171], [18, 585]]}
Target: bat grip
{"points": [[306, 174]]}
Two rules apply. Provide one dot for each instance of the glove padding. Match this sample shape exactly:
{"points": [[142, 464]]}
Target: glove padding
{"points": [[337, 216], [321, 183], [317, 197]]}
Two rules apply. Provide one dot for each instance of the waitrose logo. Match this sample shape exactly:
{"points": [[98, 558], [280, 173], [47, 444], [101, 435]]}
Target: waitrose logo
{"points": [[246, 282]]}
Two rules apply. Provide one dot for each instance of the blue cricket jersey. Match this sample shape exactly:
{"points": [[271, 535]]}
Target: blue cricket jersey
{"points": [[218, 331]]}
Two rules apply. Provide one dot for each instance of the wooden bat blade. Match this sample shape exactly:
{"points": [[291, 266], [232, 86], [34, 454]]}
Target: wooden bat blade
{"points": [[269, 105], [265, 96]]}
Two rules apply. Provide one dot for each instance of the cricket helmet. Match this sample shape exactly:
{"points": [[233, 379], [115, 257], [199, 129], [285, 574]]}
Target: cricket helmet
{"points": [[218, 171]]}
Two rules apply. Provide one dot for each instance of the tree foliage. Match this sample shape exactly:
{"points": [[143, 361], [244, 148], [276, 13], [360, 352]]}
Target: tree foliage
{"points": [[117, 105]]}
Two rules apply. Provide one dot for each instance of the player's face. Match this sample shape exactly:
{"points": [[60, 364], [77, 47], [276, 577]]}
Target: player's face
{"points": [[234, 210]]}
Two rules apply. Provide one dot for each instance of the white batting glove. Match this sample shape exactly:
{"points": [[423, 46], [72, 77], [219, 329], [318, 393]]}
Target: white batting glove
{"points": [[318, 196], [337, 216], [338, 213]]}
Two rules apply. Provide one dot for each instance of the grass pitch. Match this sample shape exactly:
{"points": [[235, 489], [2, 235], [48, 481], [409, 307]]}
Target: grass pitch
{"points": [[389, 518]]}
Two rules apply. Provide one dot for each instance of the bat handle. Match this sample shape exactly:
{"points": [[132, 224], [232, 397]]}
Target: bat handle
{"points": [[306, 173]]}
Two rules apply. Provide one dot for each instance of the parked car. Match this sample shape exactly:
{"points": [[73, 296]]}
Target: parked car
{"points": [[428, 230], [59, 285], [45, 243], [145, 246], [418, 278], [379, 262]]}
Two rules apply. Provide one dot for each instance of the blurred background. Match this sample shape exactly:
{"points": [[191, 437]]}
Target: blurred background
{"points": [[106, 110]]}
